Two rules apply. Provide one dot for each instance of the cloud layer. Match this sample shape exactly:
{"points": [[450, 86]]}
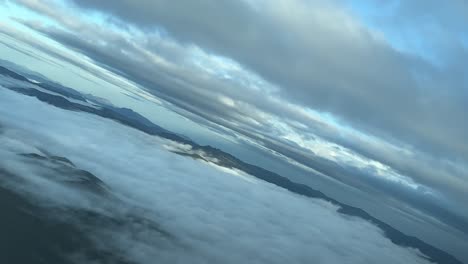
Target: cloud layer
{"points": [[213, 215]]}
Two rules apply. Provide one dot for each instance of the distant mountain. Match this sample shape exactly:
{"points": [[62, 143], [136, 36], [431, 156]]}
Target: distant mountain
{"points": [[6, 72], [40, 81], [23, 70], [65, 172], [210, 154]]}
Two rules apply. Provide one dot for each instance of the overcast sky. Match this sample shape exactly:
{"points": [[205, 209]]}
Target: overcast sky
{"points": [[375, 90]]}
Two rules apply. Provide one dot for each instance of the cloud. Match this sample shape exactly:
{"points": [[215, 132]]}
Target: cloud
{"points": [[310, 50], [213, 215], [181, 69]]}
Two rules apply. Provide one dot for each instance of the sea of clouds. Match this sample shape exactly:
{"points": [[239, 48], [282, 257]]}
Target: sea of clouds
{"points": [[176, 209]]}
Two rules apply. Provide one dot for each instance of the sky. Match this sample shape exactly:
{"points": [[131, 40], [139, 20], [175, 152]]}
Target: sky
{"points": [[371, 95]]}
